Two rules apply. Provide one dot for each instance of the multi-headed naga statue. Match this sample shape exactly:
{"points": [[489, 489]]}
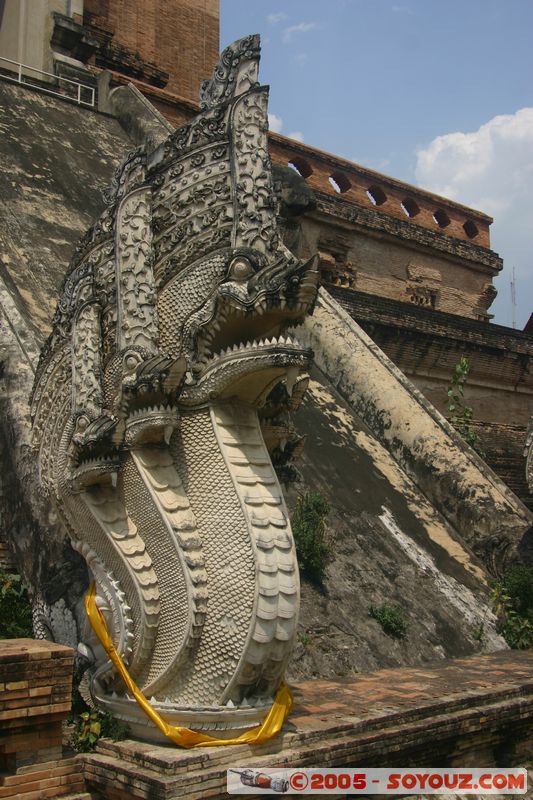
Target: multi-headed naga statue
{"points": [[169, 349]]}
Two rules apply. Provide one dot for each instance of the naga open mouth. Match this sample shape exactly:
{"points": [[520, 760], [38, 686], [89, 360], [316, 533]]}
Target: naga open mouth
{"points": [[240, 344], [242, 325], [239, 332]]}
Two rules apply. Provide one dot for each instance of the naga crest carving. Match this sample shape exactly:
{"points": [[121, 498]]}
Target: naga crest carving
{"points": [[170, 349]]}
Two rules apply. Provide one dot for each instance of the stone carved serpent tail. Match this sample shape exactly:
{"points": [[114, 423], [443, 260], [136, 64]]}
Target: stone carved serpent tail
{"points": [[169, 348]]}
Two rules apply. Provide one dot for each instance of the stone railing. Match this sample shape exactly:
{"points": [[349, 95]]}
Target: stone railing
{"points": [[338, 177]]}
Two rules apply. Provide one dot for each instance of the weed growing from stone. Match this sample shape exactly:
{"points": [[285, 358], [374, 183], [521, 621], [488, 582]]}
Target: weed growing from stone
{"points": [[93, 725], [391, 618], [479, 632], [90, 724], [459, 413], [309, 529]]}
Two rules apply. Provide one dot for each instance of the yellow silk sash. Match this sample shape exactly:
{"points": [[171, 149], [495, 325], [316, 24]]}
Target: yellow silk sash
{"points": [[184, 737]]}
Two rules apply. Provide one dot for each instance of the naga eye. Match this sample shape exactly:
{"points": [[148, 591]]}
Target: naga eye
{"points": [[82, 423], [240, 269], [130, 361]]}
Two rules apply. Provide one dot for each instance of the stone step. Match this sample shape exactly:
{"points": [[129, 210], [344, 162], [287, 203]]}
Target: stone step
{"points": [[80, 796], [202, 773], [59, 778], [466, 710]]}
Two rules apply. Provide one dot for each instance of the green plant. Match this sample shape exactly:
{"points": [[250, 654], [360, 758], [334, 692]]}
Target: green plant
{"points": [[91, 726], [304, 638], [309, 529], [391, 618], [459, 413], [512, 600], [518, 582], [15, 609], [88, 731], [479, 632]]}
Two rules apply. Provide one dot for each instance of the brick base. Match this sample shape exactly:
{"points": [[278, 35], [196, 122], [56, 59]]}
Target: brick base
{"points": [[35, 698], [59, 778], [470, 712]]}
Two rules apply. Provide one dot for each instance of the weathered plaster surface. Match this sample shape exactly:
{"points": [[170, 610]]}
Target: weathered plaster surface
{"points": [[389, 545], [489, 518], [55, 159]]}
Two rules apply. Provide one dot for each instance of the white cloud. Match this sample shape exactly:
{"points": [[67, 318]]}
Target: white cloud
{"points": [[491, 169], [275, 123], [301, 58], [402, 10], [302, 27], [273, 19]]}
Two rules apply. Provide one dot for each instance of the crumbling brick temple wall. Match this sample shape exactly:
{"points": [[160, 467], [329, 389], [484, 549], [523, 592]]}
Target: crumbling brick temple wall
{"points": [[180, 39], [416, 272]]}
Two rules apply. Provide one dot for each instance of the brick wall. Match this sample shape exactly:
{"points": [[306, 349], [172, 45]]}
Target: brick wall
{"points": [[325, 172], [503, 446], [382, 256], [179, 36], [426, 346]]}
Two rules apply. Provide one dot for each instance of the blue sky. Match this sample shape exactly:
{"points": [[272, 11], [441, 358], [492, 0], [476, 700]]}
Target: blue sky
{"points": [[439, 94]]}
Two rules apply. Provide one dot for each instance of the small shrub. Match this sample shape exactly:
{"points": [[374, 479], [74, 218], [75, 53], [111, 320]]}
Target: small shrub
{"points": [[518, 582], [309, 529], [479, 632], [15, 609], [91, 726], [512, 600], [88, 731], [392, 619]]}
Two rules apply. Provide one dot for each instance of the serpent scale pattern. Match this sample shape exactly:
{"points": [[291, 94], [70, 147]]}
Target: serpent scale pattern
{"points": [[228, 554], [152, 494], [107, 506], [169, 337], [276, 614]]}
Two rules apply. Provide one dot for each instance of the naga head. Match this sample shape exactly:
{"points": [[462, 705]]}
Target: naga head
{"points": [[183, 291], [238, 342], [230, 290]]}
